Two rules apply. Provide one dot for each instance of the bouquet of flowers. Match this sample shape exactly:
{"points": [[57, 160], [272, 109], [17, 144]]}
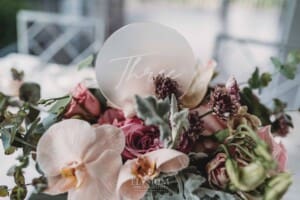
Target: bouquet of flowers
{"points": [[156, 128]]}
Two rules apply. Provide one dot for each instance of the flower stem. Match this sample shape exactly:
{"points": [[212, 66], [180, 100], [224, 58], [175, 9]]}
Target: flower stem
{"points": [[24, 142], [207, 113]]}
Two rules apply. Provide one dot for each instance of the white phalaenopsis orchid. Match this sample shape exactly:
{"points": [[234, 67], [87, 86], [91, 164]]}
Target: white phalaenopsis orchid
{"points": [[81, 159]]}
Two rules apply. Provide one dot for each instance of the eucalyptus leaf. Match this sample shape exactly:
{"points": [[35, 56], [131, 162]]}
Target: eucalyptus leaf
{"points": [[60, 105], [155, 112], [178, 120]]}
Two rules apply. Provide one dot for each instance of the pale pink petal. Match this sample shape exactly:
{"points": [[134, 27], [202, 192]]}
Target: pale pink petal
{"points": [[107, 137], [198, 87], [278, 150], [128, 186], [57, 185], [169, 160], [62, 143], [106, 169], [91, 189]]}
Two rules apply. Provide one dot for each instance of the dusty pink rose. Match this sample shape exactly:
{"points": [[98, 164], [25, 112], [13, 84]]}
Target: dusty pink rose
{"points": [[211, 123], [140, 138], [278, 150], [112, 116], [216, 170], [83, 103]]}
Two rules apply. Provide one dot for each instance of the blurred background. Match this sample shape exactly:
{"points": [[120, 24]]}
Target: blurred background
{"points": [[48, 38], [239, 34]]}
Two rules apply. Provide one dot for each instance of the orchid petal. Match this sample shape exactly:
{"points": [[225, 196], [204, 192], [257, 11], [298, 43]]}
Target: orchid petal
{"points": [[106, 169], [128, 186], [91, 189], [198, 87], [62, 143], [107, 137], [169, 160], [57, 185]]}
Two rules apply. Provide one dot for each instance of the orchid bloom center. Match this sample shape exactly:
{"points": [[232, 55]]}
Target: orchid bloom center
{"points": [[73, 174], [144, 169]]}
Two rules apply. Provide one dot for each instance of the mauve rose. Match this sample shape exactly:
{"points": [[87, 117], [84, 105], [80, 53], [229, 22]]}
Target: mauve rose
{"points": [[140, 139], [112, 116], [278, 150], [83, 103], [216, 170]]}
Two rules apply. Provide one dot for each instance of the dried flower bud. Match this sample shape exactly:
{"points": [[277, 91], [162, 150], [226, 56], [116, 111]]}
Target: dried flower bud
{"points": [[225, 101], [165, 86], [196, 124]]}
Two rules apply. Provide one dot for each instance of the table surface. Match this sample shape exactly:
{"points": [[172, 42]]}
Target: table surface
{"points": [[57, 80]]}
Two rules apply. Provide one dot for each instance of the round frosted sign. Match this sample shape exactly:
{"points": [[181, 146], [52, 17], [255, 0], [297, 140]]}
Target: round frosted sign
{"points": [[134, 54]]}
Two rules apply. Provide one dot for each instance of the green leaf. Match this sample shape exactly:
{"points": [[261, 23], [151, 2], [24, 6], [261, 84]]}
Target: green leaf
{"points": [[7, 139], [254, 105], [265, 79], [178, 120], [30, 92], [279, 106], [18, 193], [276, 62], [4, 191], [254, 81], [258, 81], [222, 135], [294, 57], [155, 112], [87, 62], [288, 70], [60, 105], [19, 177]]}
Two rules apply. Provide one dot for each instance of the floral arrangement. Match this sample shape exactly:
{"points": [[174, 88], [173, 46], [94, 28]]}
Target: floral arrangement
{"points": [[166, 137]]}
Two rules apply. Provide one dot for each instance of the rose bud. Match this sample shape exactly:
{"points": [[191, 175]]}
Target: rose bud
{"points": [[83, 104]]}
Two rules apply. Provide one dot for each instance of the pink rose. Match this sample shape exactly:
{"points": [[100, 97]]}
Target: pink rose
{"points": [[112, 116], [278, 150], [83, 103], [140, 139]]}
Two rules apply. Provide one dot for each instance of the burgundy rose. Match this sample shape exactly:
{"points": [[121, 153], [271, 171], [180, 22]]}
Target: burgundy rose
{"points": [[186, 143], [140, 139], [83, 103]]}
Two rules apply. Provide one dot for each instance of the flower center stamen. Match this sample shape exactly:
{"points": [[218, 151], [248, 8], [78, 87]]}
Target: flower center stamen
{"points": [[144, 169], [73, 175]]}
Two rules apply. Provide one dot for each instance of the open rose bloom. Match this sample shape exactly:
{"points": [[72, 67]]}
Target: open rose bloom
{"points": [[81, 160]]}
